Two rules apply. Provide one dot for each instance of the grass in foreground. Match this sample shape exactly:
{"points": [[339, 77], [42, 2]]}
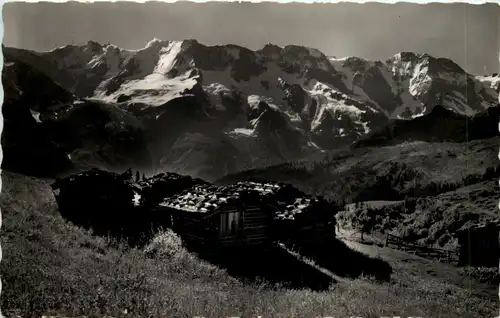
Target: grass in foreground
{"points": [[51, 266]]}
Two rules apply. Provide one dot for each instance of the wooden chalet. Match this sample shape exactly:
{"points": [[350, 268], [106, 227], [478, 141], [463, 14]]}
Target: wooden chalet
{"points": [[479, 245], [246, 214], [97, 199], [93, 187], [114, 204]]}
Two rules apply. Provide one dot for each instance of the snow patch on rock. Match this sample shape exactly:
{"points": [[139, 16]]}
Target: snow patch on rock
{"points": [[36, 115]]}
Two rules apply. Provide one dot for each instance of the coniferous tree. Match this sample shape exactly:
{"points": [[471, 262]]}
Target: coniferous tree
{"points": [[128, 174]]}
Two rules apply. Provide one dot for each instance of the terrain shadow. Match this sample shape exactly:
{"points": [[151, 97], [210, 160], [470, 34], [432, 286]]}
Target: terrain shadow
{"points": [[133, 226], [335, 256], [274, 265]]}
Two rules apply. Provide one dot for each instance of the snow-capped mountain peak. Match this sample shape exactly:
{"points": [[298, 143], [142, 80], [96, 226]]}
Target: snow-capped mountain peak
{"points": [[313, 92], [203, 106]]}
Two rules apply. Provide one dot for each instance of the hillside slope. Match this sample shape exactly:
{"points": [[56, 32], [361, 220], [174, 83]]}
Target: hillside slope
{"points": [[430, 220], [438, 126], [410, 168], [53, 267]]}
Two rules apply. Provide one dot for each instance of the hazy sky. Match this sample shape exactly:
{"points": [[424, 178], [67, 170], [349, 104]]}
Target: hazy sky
{"points": [[468, 34]]}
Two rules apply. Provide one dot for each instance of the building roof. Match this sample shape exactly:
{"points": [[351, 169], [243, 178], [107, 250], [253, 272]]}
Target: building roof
{"points": [[155, 189], [208, 198], [300, 205]]}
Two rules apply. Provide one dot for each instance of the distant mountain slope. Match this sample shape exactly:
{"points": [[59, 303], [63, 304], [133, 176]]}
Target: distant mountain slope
{"points": [[47, 129], [438, 126], [26, 146]]}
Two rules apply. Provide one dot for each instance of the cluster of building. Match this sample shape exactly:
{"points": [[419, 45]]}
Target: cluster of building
{"points": [[248, 213]]}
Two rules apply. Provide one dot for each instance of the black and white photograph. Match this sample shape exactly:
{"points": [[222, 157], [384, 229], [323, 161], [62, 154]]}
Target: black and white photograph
{"points": [[237, 159]]}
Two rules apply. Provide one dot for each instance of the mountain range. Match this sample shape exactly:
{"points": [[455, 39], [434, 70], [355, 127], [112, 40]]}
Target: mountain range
{"points": [[209, 111]]}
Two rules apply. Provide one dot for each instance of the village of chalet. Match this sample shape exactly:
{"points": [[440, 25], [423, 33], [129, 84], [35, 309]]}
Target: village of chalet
{"points": [[206, 216]]}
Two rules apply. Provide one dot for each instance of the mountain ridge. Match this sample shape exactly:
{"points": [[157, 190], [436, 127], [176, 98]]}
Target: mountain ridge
{"points": [[309, 58], [212, 110]]}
